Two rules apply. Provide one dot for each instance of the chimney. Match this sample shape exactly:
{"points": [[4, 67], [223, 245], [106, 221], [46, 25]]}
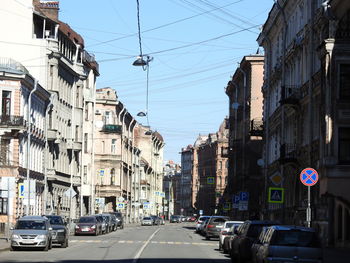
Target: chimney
{"points": [[48, 8]]}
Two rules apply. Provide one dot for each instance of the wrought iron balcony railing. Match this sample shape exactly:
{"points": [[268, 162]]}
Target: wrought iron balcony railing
{"points": [[256, 127], [11, 120], [290, 95]]}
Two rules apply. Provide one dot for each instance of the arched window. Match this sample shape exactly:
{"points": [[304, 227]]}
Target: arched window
{"points": [[112, 176], [340, 223]]}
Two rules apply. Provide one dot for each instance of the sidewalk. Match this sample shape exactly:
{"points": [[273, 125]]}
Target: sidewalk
{"points": [[4, 245]]}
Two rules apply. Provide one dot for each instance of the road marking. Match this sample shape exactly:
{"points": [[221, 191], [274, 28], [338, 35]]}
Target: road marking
{"points": [[137, 256], [145, 242]]}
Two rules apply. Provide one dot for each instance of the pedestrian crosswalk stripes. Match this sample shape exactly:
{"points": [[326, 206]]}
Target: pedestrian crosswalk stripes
{"points": [[140, 241]]}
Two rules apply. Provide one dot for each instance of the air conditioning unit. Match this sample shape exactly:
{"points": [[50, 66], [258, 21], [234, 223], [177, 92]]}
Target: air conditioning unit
{"points": [[98, 112]]}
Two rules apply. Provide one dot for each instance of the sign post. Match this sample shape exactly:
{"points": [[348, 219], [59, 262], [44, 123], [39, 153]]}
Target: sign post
{"points": [[308, 177]]}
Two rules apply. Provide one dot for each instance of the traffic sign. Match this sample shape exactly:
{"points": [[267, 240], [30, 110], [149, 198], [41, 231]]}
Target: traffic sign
{"points": [[235, 201], [210, 180], [309, 176], [227, 206], [276, 195], [102, 172], [243, 196], [120, 205], [200, 212], [21, 190]]}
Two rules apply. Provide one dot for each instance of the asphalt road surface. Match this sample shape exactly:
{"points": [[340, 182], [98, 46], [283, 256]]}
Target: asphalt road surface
{"points": [[172, 243]]}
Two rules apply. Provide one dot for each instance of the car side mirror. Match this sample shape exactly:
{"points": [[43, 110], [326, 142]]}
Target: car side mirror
{"points": [[50, 228]]}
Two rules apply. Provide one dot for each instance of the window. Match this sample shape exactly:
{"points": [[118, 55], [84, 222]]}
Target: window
{"points": [[344, 146], [3, 206], [86, 138], [344, 81], [112, 176], [85, 174], [6, 103], [5, 152], [87, 111], [113, 145]]}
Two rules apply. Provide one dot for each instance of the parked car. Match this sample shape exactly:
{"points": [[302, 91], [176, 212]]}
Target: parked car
{"points": [[156, 220], [175, 219], [87, 225], [60, 233], [120, 219], [257, 243], [227, 239], [213, 226], [192, 219], [200, 221], [108, 220], [225, 231], [202, 226], [114, 222], [102, 223], [290, 244], [147, 221], [32, 232], [241, 244]]}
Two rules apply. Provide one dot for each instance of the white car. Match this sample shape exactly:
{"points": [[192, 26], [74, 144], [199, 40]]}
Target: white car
{"points": [[225, 229], [147, 221], [200, 220]]}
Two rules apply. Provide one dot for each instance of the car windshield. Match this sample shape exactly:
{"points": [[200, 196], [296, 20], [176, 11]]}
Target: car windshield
{"points": [[55, 220], [28, 224], [228, 225], [254, 230], [87, 220], [295, 238], [146, 218]]}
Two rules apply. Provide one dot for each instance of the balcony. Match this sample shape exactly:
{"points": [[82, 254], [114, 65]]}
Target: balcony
{"points": [[290, 95], [224, 152], [112, 128], [256, 127], [288, 154], [12, 121], [52, 135]]}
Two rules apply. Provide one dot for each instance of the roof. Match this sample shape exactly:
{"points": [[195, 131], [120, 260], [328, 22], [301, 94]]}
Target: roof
{"points": [[33, 218], [159, 137], [300, 228], [71, 34]]}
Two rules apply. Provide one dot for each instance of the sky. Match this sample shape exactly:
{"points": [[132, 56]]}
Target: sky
{"points": [[196, 46]]}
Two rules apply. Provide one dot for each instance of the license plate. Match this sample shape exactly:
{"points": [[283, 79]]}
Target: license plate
{"points": [[27, 242], [85, 229]]}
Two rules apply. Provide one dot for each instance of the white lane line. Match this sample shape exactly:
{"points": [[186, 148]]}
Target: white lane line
{"points": [[137, 256]]}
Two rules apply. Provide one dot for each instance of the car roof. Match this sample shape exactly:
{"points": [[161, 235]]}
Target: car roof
{"points": [[235, 222], [262, 222], [43, 218], [300, 228]]}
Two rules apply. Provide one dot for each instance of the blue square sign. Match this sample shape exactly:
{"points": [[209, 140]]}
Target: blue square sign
{"points": [[244, 196]]}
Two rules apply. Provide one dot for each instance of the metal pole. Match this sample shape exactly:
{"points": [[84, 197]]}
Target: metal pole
{"points": [[308, 210], [8, 209], [28, 142]]}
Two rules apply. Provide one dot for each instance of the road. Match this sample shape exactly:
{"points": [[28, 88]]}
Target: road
{"points": [[171, 243]]}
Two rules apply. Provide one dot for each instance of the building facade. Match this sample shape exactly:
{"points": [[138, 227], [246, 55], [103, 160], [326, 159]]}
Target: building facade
{"points": [[245, 137], [186, 180], [306, 104]]}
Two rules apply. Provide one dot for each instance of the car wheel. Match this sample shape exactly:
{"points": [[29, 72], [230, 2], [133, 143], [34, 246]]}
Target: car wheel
{"points": [[13, 248], [207, 237], [65, 243]]}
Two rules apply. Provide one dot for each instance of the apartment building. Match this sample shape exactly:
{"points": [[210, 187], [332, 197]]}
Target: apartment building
{"points": [[151, 145], [245, 137], [171, 170], [23, 104], [54, 55], [212, 170], [306, 113], [186, 180]]}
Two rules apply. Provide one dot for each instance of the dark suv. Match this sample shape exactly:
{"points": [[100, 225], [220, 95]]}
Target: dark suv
{"points": [[120, 219], [60, 232], [214, 225]]}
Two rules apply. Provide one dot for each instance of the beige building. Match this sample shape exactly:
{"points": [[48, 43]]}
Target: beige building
{"points": [[245, 136], [55, 56], [23, 104], [151, 145], [306, 109]]}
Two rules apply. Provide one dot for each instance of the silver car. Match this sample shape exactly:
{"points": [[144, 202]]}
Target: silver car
{"points": [[147, 221], [289, 244], [32, 232]]}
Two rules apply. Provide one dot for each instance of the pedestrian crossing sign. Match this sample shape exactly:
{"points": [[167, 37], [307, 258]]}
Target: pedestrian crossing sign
{"points": [[276, 195]]}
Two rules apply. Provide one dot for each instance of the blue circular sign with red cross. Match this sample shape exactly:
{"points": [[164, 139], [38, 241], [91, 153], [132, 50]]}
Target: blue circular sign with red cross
{"points": [[309, 176]]}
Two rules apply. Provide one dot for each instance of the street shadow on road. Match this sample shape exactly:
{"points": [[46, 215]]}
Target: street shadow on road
{"points": [[141, 260], [189, 227]]}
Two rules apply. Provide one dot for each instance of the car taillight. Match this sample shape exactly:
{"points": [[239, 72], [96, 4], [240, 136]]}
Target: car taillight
{"points": [[210, 226]]}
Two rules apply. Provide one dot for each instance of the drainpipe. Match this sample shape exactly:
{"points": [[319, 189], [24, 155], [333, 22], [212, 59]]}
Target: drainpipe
{"points": [[122, 154], [53, 95], [28, 141]]}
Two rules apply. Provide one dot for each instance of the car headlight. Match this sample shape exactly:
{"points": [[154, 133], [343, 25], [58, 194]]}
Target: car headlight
{"points": [[76, 226], [15, 236], [60, 230], [41, 237], [93, 227]]}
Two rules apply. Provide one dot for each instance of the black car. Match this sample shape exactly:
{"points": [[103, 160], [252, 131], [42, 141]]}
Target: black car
{"points": [[120, 219], [60, 232]]}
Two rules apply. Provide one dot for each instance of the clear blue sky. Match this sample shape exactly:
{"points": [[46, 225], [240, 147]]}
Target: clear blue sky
{"points": [[196, 45]]}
